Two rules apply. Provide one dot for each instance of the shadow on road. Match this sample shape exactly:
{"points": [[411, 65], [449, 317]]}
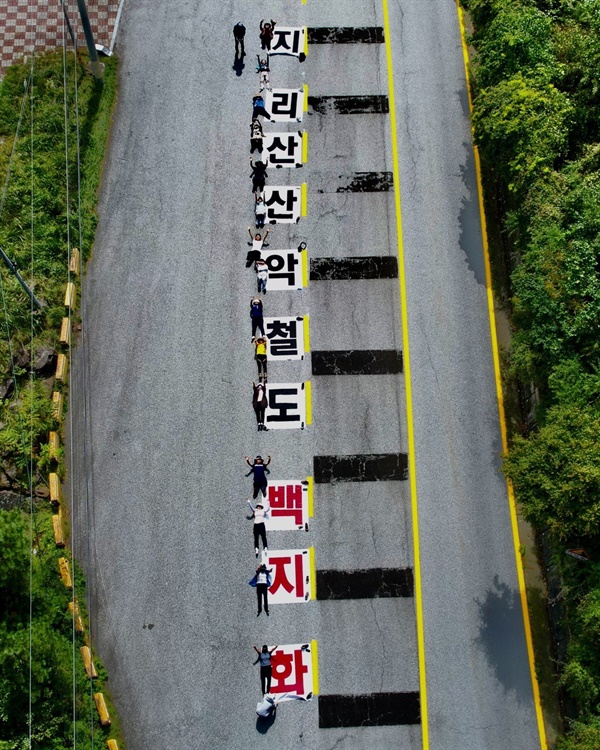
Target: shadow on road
{"points": [[238, 66], [264, 724], [502, 636]]}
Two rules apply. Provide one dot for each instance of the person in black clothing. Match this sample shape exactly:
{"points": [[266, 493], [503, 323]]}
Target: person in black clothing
{"points": [[256, 316], [266, 671], [262, 581], [258, 175], [259, 404], [258, 107], [239, 32], [266, 33], [259, 469], [256, 136]]}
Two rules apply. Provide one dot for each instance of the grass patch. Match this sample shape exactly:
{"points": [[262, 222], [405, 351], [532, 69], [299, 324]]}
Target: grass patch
{"points": [[43, 192]]}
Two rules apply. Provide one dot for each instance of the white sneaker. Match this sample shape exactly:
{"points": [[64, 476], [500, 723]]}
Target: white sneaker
{"points": [[256, 550]]}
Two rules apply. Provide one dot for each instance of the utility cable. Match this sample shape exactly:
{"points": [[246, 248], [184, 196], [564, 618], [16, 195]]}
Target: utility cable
{"points": [[31, 385], [71, 509]]}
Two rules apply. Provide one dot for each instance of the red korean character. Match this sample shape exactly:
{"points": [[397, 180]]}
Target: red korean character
{"points": [[288, 667], [280, 577]]}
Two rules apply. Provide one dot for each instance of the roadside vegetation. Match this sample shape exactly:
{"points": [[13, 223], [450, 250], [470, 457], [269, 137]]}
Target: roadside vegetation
{"points": [[41, 667], [536, 97]]}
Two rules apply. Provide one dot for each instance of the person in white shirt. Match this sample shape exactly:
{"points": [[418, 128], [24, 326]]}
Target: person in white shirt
{"points": [[260, 514], [262, 581], [262, 276]]}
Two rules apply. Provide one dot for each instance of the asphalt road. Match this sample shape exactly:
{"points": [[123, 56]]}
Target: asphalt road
{"points": [[168, 364]]}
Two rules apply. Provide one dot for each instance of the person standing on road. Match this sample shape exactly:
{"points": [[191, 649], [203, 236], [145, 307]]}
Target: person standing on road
{"points": [[259, 470], [260, 355], [256, 316], [266, 34], [239, 32], [266, 670], [259, 404], [261, 582], [262, 276], [258, 107]]}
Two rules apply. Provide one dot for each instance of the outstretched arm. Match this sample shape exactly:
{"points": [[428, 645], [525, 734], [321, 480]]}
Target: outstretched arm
{"points": [[273, 649]]}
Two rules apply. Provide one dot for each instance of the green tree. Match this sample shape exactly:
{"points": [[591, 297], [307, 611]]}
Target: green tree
{"points": [[483, 12], [583, 736], [522, 126], [518, 39], [14, 562], [556, 473], [556, 287]]}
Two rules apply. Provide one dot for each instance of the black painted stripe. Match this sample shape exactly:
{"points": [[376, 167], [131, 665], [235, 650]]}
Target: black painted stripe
{"points": [[352, 182], [367, 182], [343, 269], [373, 583], [350, 105], [375, 467], [357, 362], [346, 35], [372, 710]]}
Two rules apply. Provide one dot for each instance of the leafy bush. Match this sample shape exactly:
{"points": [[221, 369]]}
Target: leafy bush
{"points": [[537, 121], [522, 127], [517, 40]]}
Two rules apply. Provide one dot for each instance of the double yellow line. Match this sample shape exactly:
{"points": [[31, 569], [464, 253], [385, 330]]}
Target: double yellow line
{"points": [[409, 411]]}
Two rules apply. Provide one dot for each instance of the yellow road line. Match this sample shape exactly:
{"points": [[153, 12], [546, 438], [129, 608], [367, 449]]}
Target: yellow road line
{"points": [[305, 87], [501, 414], [313, 574], [308, 392], [304, 147], [311, 497], [306, 334], [305, 268], [306, 41], [314, 650], [304, 199], [412, 473]]}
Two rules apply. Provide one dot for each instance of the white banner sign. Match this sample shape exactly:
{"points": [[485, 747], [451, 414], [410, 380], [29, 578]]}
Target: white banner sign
{"points": [[286, 406], [285, 337], [288, 506], [286, 269], [294, 669], [284, 203], [288, 40], [285, 105], [283, 149], [292, 576]]}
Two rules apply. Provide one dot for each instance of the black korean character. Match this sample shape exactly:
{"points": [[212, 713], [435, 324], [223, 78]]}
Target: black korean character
{"points": [[283, 407], [284, 347], [286, 40], [289, 149], [281, 330], [278, 262], [285, 103], [286, 200]]}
